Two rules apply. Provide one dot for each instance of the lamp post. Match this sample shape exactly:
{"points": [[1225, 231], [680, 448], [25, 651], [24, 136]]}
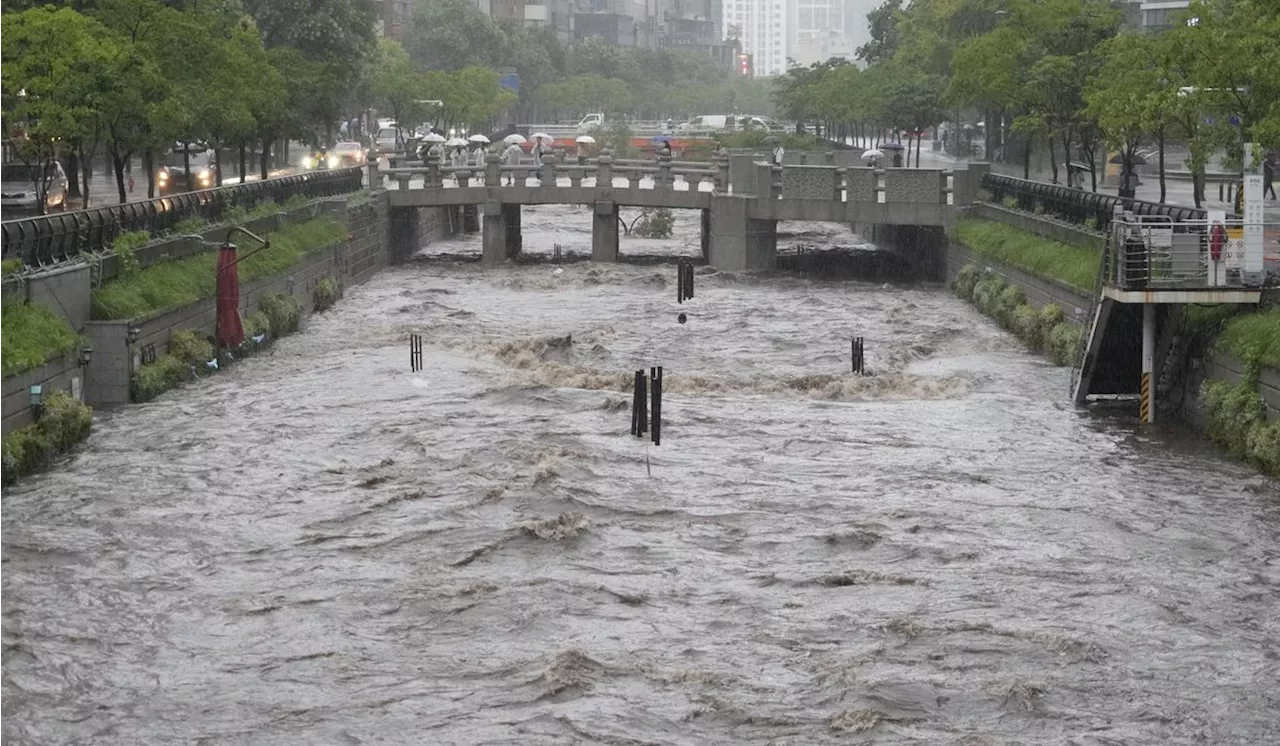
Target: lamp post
{"points": [[36, 394]]}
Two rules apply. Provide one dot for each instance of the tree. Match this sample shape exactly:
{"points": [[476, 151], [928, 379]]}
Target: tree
{"points": [[453, 34], [883, 25], [52, 58], [398, 87]]}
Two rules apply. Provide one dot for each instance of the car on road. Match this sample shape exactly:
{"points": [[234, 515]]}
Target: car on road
{"points": [[348, 153], [388, 139], [23, 184], [171, 178]]}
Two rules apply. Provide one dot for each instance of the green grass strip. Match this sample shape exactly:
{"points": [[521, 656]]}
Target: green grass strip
{"points": [[173, 284], [33, 334], [1253, 338], [1043, 257]]}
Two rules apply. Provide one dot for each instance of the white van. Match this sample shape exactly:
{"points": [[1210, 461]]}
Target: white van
{"points": [[738, 122]]}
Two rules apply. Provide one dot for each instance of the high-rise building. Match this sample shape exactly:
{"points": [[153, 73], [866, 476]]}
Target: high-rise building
{"points": [[393, 17], [761, 28], [818, 31], [1153, 15]]}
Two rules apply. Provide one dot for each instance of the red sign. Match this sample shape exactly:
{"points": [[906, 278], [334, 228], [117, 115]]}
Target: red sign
{"points": [[744, 64]]}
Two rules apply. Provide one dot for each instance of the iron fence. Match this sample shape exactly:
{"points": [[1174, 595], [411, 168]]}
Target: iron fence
{"points": [[1078, 205], [47, 240]]}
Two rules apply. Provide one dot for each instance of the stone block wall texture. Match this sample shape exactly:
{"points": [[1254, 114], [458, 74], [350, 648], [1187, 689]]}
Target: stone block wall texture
{"points": [[912, 185], [860, 185], [62, 373], [809, 182]]}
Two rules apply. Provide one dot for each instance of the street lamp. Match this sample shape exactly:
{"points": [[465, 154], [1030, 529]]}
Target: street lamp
{"points": [[132, 334], [86, 355], [36, 394]]}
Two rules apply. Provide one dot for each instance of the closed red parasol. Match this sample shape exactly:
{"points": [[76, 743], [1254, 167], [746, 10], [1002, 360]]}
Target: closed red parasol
{"points": [[229, 333]]}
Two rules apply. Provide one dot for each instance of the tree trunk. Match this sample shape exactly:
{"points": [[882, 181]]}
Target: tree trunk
{"points": [[1026, 158], [148, 162], [72, 165], [186, 164], [1053, 160], [217, 165], [264, 157], [244, 161], [86, 172], [919, 137], [1160, 148], [117, 163]]}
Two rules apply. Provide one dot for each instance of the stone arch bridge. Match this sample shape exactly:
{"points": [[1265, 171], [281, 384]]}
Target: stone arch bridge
{"points": [[742, 198]]}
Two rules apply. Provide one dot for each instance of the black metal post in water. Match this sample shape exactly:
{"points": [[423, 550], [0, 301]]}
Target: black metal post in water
{"points": [[684, 281], [656, 375], [857, 358], [688, 283], [415, 352], [639, 417]]}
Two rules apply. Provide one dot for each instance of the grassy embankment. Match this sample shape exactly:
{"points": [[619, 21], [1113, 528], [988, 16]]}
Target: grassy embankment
{"points": [[173, 284], [1046, 330]]}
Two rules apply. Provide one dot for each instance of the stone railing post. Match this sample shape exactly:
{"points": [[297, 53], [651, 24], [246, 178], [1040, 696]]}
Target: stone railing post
{"points": [[433, 174], [663, 179], [764, 181], [547, 171], [720, 163], [464, 178], [375, 180], [841, 174], [492, 170], [604, 170]]}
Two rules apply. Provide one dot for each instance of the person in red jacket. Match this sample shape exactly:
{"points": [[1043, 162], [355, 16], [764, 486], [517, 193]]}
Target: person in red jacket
{"points": [[1217, 244]]}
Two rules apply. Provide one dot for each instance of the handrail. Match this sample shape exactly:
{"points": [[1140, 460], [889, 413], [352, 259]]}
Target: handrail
{"points": [[47, 240], [1078, 205]]}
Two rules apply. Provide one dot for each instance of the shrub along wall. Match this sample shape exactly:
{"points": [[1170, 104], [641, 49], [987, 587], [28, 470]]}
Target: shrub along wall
{"points": [[1235, 415], [1046, 331], [190, 357], [64, 422]]}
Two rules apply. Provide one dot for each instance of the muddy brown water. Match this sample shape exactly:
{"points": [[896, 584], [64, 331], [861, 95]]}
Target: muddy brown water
{"points": [[319, 546]]}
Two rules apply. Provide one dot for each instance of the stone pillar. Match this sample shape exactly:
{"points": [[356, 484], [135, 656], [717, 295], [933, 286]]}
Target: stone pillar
{"points": [[432, 178], [470, 219], [604, 232], [492, 172], [547, 171], [721, 165], [515, 236], [496, 236], [727, 242], [742, 174], [375, 181], [604, 171], [706, 235], [663, 179], [762, 244], [764, 186], [404, 236]]}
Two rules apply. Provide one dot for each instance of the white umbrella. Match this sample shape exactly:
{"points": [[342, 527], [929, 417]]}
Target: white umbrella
{"points": [[586, 140], [542, 136], [433, 138], [456, 142], [873, 153], [514, 138], [479, 138]]}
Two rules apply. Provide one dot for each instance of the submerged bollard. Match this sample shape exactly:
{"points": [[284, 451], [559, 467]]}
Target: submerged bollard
{"points": [[415, 352], [656, 375], [684, 281], [857, 358], [639, 417]]}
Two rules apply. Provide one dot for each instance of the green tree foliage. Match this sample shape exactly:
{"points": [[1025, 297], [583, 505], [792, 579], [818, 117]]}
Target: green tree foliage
{"points": [[397, 86]]}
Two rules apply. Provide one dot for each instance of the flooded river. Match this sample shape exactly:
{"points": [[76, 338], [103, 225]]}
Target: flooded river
{"points": [[320, 547]]}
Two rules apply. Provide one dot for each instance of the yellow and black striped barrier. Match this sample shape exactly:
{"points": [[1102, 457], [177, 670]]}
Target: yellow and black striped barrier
{"points": [[1144, 408]]}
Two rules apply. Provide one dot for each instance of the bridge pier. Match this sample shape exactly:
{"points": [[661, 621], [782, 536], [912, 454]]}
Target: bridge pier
{"points": [[737, 242], [502, 240], [604, 232], [470, 218]]}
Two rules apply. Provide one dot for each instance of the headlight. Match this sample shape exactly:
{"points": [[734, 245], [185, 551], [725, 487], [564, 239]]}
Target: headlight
{"points": [[162, 176], [308, 162], [333, 161], [204, 174]]}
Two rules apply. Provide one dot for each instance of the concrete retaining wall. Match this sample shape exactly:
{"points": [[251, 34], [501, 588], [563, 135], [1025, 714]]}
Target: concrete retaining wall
{"points": [[1039, 292], [1057, 230]]}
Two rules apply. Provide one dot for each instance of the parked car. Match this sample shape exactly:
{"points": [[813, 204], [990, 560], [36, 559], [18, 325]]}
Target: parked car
{"points": [[22, 185], [714, 122], [171, 178], [348, 153]]}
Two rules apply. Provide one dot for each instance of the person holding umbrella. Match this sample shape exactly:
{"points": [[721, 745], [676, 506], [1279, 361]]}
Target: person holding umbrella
{"points": [[511, 156]]}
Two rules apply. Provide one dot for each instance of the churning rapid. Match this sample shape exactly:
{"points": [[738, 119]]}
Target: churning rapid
{"points": [[320, 547]]}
